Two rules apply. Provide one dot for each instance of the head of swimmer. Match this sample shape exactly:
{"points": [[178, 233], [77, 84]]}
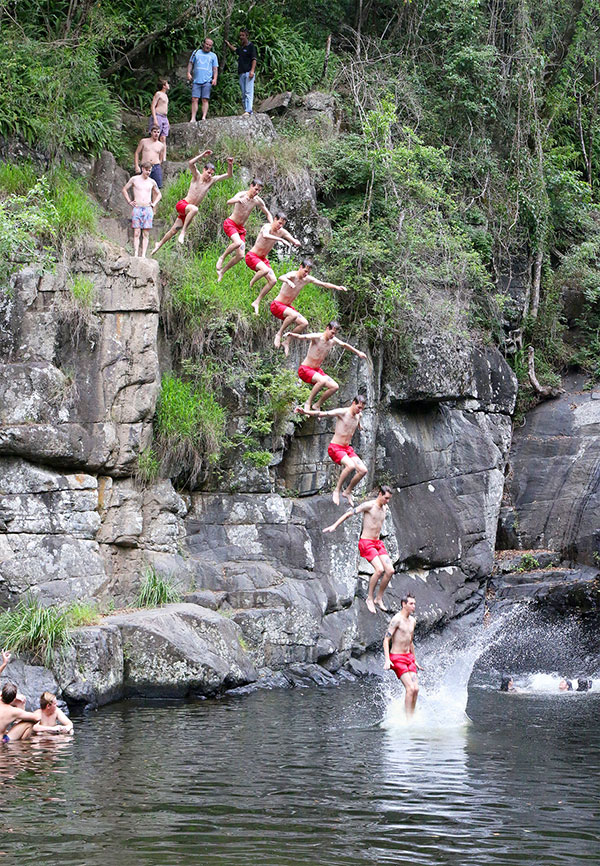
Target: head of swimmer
{"points": [[305, 268], [565, 685], [408, 603], [279, 221], [384, 495], [154, 133], [255, 187], [208, 172], [47, 701], [358, 404], [507, 684], [9, 693]]}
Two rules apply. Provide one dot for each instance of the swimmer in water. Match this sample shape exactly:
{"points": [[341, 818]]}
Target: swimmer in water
{"points": [[565, 685], [51, 719], [15, 723], [507, 685]]}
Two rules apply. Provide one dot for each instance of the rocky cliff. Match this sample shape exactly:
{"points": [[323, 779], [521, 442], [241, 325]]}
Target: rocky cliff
{"points": [[267, 596]]}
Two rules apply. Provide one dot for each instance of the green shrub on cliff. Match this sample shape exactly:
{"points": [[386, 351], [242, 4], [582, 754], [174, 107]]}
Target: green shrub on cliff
{"points": [[38, 631], [156, 589], [189, 428]]}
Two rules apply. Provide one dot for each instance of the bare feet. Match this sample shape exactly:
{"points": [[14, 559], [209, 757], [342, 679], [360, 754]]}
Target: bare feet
{"points": [[219, 275], [286, 347], [336, 496], [255, 307], [371, 604], [277, 340], [348, 496], [381, 605], [181, 238], [307, 407]]}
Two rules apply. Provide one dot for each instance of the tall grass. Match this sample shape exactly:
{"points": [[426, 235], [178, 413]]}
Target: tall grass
{"points": [[39, 631], [156, 590], [190, 426]]}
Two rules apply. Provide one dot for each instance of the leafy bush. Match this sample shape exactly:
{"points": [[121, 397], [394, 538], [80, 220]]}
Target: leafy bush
{"points": [[40, 631], [156, 590], [82, 289], [189, 427], [25, 222], [148, 466], [55, 97], [260, 459]]}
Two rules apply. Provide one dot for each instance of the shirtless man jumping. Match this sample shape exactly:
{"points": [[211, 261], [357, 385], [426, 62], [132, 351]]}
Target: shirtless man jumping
{"points": [[257, 259], [340, 449], [11, 715], [370, 546], [310, 369], [243, 203], [153, 151], [401, 657], [281, 307], [187, 207]]}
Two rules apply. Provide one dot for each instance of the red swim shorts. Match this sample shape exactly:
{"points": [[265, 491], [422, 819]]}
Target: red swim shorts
{"points": [[230, 228], [338, 452], [252, 260], [306, 373], [278, 309], [369, 548], [180, 208], [403, 663]]}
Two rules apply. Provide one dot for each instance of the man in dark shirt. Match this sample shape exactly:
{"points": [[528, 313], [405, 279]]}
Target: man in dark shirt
{"points": [[246, 53]]}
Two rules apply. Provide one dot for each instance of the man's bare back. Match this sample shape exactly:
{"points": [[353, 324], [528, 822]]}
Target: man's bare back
{"points": [[373, 518]]}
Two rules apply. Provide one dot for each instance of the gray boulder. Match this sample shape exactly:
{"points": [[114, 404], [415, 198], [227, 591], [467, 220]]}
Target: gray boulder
{"points": [[189, 138]]}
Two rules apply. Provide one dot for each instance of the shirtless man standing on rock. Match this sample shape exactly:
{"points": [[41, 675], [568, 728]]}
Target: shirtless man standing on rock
{"points": [[370, 546], [15, 723], [153, 151], [401, 656], [310, 369], [340, 449], [257, 259], [187, 207], [281, 307], [146, 195], [234, 226]]}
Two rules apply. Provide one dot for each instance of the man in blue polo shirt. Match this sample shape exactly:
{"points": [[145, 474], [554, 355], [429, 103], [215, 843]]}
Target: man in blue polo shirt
{"points": [[202, 71]]}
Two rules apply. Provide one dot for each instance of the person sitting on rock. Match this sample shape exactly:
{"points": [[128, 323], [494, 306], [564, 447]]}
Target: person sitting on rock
{"points": [[153, 151], [146, 196], [51, 719], [15, 723], [159, 110], [234, 226], [281, 307], [310, 369], [370, 546], [257, 259], [340, 450], [187, 207]]}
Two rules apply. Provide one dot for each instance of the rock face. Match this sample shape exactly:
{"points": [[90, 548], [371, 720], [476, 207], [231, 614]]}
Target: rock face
{"points": [[553, 487], [189, 138], [266, 591]]}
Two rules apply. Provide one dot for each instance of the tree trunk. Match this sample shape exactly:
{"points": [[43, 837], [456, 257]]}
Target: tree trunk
{"points": [[536, 283], [326, 61], [226, 28]]}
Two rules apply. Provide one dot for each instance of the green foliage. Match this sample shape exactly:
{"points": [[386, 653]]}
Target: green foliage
{"points": [[148, 466], [156, 590], [25, 222], [260, 459], [82, 289], [528, 563], [274, 391], [189, 428], [40, 631], [54, 98], [77, 214]]}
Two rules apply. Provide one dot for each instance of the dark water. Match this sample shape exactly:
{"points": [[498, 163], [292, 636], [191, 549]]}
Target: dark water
{"points": [[311, 777]]}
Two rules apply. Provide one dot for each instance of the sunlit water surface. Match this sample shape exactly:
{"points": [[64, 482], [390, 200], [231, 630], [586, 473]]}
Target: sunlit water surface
{"points": [[316, 776]]}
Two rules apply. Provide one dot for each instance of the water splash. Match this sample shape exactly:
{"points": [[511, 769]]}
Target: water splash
{"points": [[448, 660]]}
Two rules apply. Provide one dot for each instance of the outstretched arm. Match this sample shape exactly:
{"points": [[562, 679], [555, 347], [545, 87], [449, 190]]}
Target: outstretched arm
{"points": [[301, 336], [260, 203], [287, 278], [350, 348], [234, 199], [326, 285], [5, 660], [271, 237], [192, 162], [290, 238], [319, 413], [358, 510], [228, 173]]}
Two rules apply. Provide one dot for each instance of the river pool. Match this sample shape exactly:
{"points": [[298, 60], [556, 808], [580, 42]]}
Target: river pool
{"points": [[312, 776]]}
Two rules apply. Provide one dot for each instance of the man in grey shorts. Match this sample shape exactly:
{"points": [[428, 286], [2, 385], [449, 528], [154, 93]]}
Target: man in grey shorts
{"points": [[202, 72]]}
